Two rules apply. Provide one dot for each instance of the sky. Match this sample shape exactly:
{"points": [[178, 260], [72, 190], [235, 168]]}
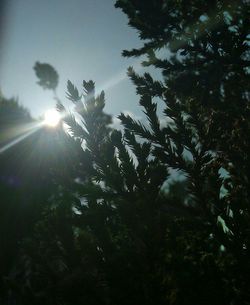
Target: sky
{"points": [[81, 39]]}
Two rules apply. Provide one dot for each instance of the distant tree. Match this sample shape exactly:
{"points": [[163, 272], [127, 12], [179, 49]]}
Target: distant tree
{"points": [[47, 75], [27, 173], [12, 114], [117, 234]]}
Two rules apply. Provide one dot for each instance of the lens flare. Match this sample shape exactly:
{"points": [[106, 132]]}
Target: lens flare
{"points": [[51, 118], [27, 130]]}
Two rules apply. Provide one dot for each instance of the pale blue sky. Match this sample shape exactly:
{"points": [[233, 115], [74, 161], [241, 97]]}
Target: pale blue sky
{"points": [[82, 39]]}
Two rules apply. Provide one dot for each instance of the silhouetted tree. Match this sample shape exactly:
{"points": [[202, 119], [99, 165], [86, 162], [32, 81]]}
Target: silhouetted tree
{"points": [[202, 50], [13, 117], [27, 173], [101, 234], [117, 234]]}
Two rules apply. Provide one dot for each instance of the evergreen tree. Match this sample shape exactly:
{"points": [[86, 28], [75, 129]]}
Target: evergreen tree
{"points": [[115, 235], [104, 231], [206, 93]]}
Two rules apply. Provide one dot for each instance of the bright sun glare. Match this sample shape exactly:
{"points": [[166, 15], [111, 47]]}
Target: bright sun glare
{"points": [[51, 117]]}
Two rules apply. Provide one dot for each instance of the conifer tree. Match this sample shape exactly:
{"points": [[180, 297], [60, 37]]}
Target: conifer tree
{"points": [[205, 90], [114, 236], [111, 214]]}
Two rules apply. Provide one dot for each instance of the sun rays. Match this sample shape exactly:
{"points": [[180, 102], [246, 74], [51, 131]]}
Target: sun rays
{"points": [[21, 137], [18, 133]]}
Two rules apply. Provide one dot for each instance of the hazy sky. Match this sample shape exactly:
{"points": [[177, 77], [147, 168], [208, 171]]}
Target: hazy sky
{"points": [[82, 39]]}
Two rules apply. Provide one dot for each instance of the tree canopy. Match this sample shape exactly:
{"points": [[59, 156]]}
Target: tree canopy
{"points": [[119, 229]]}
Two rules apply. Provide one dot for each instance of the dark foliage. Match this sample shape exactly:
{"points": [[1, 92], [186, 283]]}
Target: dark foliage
{"points": [[47, 75], [11, 113], [206, 92], [119, 230], [28, 171]]}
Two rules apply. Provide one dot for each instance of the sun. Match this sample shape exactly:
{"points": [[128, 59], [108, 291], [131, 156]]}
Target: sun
{"points": [[51, 118]]}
